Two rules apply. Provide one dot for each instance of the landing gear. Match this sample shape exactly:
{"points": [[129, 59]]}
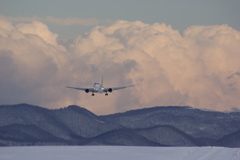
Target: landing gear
{"points": [[106, 94], [93, 94]]}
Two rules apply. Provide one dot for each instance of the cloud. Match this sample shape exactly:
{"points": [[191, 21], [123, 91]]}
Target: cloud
{"points": [[38, 29], [199, 67]]}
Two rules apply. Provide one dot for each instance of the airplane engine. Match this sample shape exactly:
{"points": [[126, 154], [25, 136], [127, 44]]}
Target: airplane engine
{"points": [[110, 90], [86, 90]]}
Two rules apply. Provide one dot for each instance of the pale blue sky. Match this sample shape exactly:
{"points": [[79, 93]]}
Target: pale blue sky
{"points": [[180, 14]]}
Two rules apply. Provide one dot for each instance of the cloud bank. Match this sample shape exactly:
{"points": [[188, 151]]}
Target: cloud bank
{"points": [[199, 67]]}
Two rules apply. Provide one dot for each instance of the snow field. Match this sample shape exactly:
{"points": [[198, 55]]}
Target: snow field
{"points": [[118, 153]]}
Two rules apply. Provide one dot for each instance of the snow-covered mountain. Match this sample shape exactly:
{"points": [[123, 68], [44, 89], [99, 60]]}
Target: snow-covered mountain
{"points": [[195, 122], [25, 124]]}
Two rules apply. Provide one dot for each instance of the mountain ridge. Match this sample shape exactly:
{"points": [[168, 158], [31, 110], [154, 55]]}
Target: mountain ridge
{"points": [[24, 124]]}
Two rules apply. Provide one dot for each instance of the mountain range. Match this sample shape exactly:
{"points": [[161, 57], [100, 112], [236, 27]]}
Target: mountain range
{"points": [[25, 124]]}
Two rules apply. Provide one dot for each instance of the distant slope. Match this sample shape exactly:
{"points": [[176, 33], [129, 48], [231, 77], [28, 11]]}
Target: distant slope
{"points": [[126, 137], [168, 135], [24, 114], [195, 122], [231, 140], [83, 122], [25, 124], [27, 134], [153, 136]]}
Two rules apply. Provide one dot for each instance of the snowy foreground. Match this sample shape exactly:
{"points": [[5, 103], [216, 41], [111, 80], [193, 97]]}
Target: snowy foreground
{"points": [[118, 153]]}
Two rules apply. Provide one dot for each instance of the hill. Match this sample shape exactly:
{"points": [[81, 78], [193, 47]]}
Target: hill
{"points": [[24, 124]]}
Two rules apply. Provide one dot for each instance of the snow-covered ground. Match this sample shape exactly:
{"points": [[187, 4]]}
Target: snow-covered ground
{"points": [[118, 153]]}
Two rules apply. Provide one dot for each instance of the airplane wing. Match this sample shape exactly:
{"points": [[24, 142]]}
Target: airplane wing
{"points": [[83, 89], [116, 88]]}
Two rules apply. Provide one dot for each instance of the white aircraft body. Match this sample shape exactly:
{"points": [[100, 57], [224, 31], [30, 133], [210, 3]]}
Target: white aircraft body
{"points": [[98, 88]]}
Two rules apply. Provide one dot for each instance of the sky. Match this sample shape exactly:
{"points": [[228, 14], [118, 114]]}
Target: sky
{"points": [[179, 14], [174, 52]]}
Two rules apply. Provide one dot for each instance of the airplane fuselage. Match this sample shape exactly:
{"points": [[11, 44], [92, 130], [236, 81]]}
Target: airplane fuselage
{"points": [[98, 88]]}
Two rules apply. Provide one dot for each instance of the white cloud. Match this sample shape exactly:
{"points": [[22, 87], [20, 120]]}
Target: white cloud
{"points": [[39, 29], [199, 67]]}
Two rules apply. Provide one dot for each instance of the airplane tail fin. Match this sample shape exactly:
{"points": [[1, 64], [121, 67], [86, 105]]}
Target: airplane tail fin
{"points": [[102, 81]]}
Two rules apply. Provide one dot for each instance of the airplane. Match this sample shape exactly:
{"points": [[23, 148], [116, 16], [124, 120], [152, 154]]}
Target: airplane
{"points": [[98, 88]]}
